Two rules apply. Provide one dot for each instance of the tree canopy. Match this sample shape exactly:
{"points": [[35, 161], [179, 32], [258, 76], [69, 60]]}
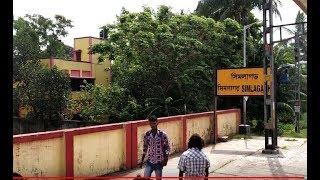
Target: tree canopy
{"points": [[239, 10], [38, 37], [166, 61], [41, 90]]}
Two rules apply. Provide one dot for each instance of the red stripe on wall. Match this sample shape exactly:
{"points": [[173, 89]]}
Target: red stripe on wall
{"points": [[134, 145], [69, 153], [196, 115], [99, 128], [37, 136], [128, 130], [160, 120]]}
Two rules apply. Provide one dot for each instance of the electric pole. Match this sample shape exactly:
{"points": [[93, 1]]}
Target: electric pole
{"points": [[268, 63]]}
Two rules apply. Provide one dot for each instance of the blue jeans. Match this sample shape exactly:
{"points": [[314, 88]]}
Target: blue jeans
{"points": [[157, 168]]}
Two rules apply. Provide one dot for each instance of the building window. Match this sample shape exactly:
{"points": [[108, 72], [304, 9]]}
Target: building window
{"points": [[78, 55], [75, 73]]}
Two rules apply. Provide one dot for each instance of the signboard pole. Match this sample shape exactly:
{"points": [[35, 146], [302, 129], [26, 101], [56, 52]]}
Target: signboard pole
{"points": [[215, 117], [244, 105], [215, 107], [244, 111], [245, 98]]}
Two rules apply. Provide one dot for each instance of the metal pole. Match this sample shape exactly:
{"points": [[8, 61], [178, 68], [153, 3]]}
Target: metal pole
{"points": [[273, 105], [299, 84], [244, 45], [244, 65], [244, 100], [265, 72], [269, 100], [215, 116], [297, 89], [299, 97], [214, 76]]}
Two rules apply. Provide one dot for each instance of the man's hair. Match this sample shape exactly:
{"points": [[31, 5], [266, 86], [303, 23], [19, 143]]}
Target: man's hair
{"points": [[195, 141], [152, 118]]}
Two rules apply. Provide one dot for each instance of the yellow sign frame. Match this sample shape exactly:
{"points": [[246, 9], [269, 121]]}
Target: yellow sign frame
{"points": [[242, 81]]}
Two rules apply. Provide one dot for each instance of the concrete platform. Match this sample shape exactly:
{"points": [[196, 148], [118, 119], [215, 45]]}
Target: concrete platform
{"points": [[244, 157]]}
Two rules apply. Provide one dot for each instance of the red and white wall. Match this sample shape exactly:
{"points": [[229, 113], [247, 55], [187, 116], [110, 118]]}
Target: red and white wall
{"points": [[98, 150]]}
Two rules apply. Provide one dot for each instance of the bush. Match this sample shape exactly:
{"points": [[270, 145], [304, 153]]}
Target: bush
{"points": [[256, 126], [105, 104], [288, 130], [45, 93], [281, 128], [285, 113], [303, 121]]}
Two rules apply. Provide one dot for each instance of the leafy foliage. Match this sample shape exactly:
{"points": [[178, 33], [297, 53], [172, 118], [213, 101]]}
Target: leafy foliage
{"points": [[46, 93], [43, 91], [165, 61], [104, 104], [234, 9], [38, 37]]}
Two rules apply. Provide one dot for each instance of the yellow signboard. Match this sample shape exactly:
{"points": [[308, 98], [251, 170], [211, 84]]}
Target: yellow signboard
{"points": [[242, 82]]}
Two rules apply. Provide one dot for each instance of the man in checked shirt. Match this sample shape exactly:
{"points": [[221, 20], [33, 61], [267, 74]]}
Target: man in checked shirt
{"points": [[193, 162], [155, 143]]}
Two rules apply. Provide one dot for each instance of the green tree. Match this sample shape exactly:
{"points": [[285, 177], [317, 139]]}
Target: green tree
{"points": [[44, 91], [165, 61], [238, 10], [104, 104], [38, 37], [46, 94]]}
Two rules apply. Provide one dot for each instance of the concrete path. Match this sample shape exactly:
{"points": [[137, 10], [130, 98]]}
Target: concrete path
{"points": [[240, 157]]}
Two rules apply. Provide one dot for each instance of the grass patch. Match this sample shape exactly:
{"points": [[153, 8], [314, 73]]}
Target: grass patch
{"points": [[284, 147], [241, 136], [288, 130], [291, 140], [292, 133]]}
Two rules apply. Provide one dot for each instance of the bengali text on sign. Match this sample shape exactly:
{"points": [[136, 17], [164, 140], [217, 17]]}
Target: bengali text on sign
{"points": [[241, 82]]}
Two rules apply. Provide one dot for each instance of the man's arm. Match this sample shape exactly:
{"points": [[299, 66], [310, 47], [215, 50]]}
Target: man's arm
{"points": [[145, 148], [207, 174], [166, 149], [181, 166], [207, 168], [167, 145], [180, 175]]}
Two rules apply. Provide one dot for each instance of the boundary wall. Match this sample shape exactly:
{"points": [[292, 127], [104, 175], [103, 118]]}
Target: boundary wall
{"points": [[103, 149]]}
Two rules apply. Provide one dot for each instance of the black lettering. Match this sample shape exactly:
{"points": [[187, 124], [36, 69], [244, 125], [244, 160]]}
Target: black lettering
{"points": [[252, 88], [258, 88]]}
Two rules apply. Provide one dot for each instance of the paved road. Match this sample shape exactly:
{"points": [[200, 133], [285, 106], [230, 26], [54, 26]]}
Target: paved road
{"points": [[240, 157]]}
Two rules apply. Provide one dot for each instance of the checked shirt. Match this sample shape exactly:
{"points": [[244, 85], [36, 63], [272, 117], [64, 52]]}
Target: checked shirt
{"points": [[156, 146], [193, 162]]}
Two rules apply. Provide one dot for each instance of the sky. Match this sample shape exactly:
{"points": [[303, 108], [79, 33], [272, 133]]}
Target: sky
{"points": [[88, 15]]}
